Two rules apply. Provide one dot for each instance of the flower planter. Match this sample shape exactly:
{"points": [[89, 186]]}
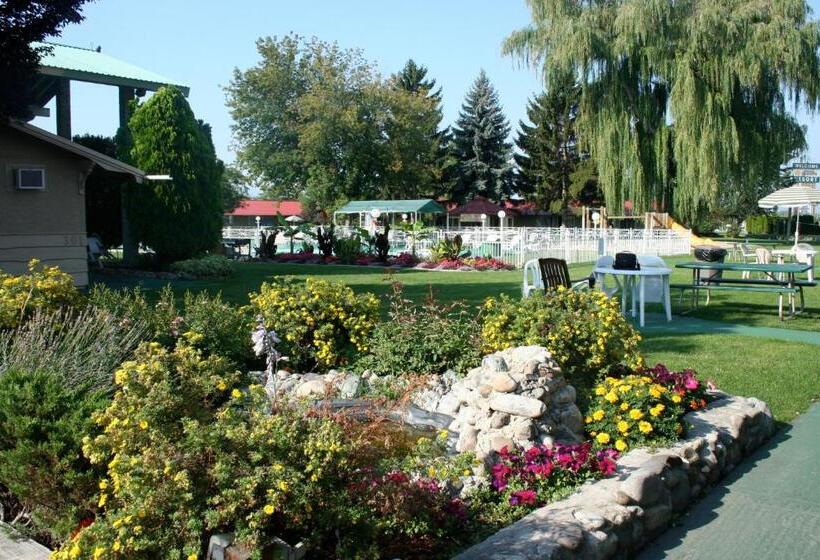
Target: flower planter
{"points": [[616, 517]]}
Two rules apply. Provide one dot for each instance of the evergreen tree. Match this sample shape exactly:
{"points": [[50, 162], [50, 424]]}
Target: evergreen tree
{"points": [[413, 79], [674, 82], [548, 148], [182, 217], [480, 145]]}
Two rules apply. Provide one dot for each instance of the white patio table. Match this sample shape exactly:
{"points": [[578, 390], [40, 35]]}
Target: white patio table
{"points": [[627, 280]]}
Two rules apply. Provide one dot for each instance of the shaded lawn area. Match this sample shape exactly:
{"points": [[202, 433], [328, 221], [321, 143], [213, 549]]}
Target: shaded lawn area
{"points": [[784, 374]]}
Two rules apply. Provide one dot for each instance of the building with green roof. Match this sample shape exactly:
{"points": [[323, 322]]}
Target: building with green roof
{"points": [[373, 209]]}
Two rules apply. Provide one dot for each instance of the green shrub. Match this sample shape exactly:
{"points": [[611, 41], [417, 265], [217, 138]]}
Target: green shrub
{"points": [[211, 324], [423, 338], [42, 425], [322, 324], [209, 266], [160, 318], [448, 249], [188, 453], [44, 287], [584, 330], [218, 327], [81, 347], [347, 249]]}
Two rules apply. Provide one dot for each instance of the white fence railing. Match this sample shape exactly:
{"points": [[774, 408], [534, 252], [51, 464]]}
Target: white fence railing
{"points": [[518, 245]]}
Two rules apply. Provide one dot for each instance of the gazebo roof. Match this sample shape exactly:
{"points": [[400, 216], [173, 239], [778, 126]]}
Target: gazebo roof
{"points": [[92, 66], [87, 65], [421, 206]]}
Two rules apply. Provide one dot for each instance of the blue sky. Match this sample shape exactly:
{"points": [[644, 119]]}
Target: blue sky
{"points": [[200, 43]]}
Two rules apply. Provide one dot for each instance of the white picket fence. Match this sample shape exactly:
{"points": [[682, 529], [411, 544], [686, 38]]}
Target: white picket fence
{"points": [[518, 245]]}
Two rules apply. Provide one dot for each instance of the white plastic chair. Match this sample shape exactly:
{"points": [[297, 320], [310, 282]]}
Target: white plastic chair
{"points": [[748, 253], [653, 288], [532, 278], [605, 262], [804, 254]]}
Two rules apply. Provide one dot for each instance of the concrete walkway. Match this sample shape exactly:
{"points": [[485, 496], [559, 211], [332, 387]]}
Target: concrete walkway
{"points": [[768, 508], [13, 547], [656, 323]]}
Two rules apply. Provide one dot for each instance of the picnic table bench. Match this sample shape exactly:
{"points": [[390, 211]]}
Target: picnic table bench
{"points": [[779, 278]]}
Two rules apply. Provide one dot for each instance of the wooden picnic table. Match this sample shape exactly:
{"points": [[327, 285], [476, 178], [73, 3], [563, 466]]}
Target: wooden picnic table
{"points": [[780, 278]]}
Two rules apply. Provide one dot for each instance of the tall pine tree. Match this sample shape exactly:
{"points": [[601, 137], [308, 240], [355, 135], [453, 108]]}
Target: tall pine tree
{"points": [[414, 80], [548, 154], [480, 145]]}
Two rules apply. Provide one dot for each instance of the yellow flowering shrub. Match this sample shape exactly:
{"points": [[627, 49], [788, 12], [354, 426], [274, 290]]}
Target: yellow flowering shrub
{"points": [[633, 411], [322, 324], [584, 330], [44, 287], [188, 449]]}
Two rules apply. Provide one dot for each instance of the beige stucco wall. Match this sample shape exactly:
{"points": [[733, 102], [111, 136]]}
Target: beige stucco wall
{"points": [[50, 224]]}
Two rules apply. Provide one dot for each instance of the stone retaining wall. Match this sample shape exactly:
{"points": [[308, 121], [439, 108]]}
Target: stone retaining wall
{"points": [[617, 516]]}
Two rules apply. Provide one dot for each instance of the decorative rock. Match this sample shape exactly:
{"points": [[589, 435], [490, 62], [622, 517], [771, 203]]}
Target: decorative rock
{"points": [[499, 420], [350, 387], [564, 395], [503, 383], [494, 363], [657, 516], [498, 443], [517, 404], [484, 390], [449, 404], [312, 388], [467, 440]]}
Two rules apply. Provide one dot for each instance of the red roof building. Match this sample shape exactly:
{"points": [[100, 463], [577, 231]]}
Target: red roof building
{"points": [[263, 208], [246, 212]]}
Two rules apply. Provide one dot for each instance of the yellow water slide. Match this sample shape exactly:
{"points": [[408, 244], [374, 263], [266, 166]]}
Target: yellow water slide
{"points": [[696, 240]]}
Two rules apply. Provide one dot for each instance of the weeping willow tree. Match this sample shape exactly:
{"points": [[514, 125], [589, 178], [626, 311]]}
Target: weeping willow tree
{"points": [[686, 97]]}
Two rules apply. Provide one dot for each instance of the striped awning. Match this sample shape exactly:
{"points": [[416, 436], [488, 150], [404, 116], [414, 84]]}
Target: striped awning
{"points": [[796, 196]]}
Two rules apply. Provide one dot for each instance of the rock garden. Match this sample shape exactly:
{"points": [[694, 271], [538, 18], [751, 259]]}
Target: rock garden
{"points": [[314, 422]]}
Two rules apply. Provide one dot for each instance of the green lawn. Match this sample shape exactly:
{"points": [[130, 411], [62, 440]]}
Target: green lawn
{"points": [[781, 373]]}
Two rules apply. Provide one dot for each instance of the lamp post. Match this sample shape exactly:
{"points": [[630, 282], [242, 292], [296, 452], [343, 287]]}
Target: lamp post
{"points": [[375, 213], [501, 216], [258, 223], [596, 219]]}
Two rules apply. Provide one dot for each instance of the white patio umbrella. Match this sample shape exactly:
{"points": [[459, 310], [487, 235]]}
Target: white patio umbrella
{"points": [[797, 196], [294, 219]]}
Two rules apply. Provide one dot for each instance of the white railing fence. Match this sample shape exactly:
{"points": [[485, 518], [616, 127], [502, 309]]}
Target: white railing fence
{"points": [[518, 245]]}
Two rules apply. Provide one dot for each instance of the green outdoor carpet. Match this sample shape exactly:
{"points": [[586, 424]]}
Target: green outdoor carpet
{"points": [[769, 507], [656, 323]]}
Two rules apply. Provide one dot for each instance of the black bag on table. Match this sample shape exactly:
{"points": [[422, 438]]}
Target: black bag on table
{"points": [[626, 261]]}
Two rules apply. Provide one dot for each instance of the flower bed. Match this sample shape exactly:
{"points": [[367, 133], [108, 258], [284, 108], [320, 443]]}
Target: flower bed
{"points": [[466, 264], [616, 517], [189, 444]]}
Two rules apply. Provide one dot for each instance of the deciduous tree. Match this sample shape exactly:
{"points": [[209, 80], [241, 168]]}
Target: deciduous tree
{"points": [[690, 82]]}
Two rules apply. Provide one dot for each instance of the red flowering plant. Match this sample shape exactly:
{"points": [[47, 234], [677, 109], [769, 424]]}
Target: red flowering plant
{"points": [[684, 384], [397, 514], [487, 263], [404, 259], [542, 474]]}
